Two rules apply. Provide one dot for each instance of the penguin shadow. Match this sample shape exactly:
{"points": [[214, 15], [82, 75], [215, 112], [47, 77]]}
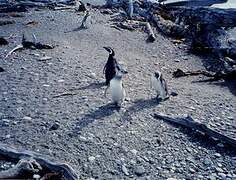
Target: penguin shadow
{"points": [[98, 114], [94, 85], [140, 105], [230, 84]]}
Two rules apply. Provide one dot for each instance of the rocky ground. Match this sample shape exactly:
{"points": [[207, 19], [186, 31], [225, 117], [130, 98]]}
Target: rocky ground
{"points": [[84, 129]]}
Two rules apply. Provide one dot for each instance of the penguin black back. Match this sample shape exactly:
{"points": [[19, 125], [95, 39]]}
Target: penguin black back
{"points": [[111, 65]]}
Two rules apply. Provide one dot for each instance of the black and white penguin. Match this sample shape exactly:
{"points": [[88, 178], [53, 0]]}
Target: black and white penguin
{"points": [[117, 88], [111, 65], [159, 84]]}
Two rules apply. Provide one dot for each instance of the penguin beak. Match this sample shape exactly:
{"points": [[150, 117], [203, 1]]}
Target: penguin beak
{"points": [[107, 49]]}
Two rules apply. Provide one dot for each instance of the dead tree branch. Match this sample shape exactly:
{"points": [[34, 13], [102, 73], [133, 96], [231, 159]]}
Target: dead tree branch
{"points": [[188, 122], [11, 153]]}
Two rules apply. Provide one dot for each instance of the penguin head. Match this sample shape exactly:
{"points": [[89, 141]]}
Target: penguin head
{"points": [[110, 50], [120, 73], [157, 74]]}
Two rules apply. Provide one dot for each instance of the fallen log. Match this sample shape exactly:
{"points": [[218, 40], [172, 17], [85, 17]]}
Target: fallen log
{"points": [[151, 35], [25, 44], [189, 122], [44, 162], [214, 77], [24, 167]]}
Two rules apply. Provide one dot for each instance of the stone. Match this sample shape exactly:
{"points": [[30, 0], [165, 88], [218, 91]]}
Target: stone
{"points": [[139, 170], [192, 170], [125, 170], [218, 169], [222, 175], [54, 127], [174, 93], [217, 155], [91, 158], [134, 151]]}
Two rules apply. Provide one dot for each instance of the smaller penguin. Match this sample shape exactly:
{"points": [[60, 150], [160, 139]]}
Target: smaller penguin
{"points": [[117, 88], [159, 84]]}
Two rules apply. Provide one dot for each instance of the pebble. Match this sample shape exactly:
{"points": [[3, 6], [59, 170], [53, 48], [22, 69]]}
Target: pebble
{"points": [[212, 177], [91, 158], [134, 151], [192, 170], [174, 93], [223, 175], [8, 136], [61, 80], [36, 176], [44, 58], [125, 170], [27, 118], [218, 169], [217, 155], [220, 145], [139, 170], [55, 126]]}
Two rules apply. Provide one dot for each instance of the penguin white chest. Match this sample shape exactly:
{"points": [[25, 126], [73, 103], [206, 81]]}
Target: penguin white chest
{"points": [[117, 90], [158, 86]]}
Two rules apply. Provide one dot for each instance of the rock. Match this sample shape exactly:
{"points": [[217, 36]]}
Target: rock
{"points": [[1, 69], [218, 169], [27, 118], [8, 136], [134, 151], [44, 58], [222, 175], [217, 155], [55, 126], [3, 41], [212, 177], [192, 170], [139, 170], [61, 80], [125, 170], [91, 158], [36, 176], [174, 93], [220, 145]]}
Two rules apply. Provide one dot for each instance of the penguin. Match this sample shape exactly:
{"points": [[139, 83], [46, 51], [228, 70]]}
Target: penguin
{"points": [[117, 88], [159, 84], [111, 66]]}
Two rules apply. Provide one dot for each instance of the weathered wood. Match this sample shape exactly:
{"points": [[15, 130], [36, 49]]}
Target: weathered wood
{"points": [[151, 35], [189, 122], [44, 162], [214, 77], [131, 9], [23, 167], [180, 73]]}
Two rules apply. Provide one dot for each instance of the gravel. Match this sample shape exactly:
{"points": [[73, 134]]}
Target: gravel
{"points": [[97, 140]]}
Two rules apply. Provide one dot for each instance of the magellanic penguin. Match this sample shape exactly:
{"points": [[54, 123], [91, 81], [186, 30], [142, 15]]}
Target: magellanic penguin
{"points": [[111, 66], [159, 84], [117, 88]]}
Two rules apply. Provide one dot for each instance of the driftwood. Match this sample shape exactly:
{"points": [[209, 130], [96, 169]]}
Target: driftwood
{"points": [[29, 45], [151, 35], [22, 168], [6, 22], [214, 77], [131, 9], [13, 154], [188, 122]]}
